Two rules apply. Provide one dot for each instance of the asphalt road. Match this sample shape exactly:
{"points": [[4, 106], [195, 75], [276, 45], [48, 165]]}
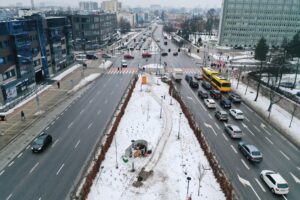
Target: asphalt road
{"points": [[278, 154]]}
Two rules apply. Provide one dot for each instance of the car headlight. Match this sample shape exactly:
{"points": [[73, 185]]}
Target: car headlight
{"points": [[39, 148]]}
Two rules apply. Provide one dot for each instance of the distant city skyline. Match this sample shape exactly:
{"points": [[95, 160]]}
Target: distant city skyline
{"points": [[131, 3]]}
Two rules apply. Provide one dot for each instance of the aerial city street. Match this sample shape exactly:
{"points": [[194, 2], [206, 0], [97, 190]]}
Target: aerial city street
{"points": [[126, 99]]}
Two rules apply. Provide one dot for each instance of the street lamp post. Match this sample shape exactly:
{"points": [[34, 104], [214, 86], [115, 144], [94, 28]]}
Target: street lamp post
{"points": [[187, 189], [132, 148], [161, 106], [178, 136]]}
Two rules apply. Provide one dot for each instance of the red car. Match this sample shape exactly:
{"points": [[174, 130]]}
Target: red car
{"points": [[128, 56], [146, 55]]}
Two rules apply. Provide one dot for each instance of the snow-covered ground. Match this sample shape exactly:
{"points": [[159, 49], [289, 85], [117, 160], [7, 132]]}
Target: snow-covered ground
{"points": [[171, 160], [279, 117], [85, 81], [66, 72], [106, 64]]}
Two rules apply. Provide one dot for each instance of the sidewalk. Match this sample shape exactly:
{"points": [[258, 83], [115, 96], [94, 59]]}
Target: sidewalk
{"points": [[49, 99]]}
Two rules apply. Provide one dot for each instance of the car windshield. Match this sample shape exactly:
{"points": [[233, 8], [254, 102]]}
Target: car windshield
{"points": [[283, 185], [256, 153], [238, 131], [38, 141], [239, 113]]}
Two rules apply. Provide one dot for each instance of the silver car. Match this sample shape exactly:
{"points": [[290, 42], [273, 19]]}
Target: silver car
{"points": [[233, 131]]}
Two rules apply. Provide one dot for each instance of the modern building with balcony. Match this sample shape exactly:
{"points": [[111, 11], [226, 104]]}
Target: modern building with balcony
{"points": [[244, 22]]}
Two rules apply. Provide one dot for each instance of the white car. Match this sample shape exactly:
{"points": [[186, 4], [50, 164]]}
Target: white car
{"points": [[236, 114], [275, 182], [210, 103]]}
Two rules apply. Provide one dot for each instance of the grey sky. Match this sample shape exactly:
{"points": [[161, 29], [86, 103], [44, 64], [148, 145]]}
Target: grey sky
{"points": [[143, 3]]}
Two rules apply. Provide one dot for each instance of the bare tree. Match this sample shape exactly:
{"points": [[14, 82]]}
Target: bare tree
{"points": [[273, 96], [295, 107]]}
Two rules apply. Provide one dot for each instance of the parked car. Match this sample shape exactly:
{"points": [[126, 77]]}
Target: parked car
{"points": [[210, 103], [275, 182], [105, 56], [225, 103], [128, 56], [194, 83], [123, 63], [206, 85], [188, 78], [202, 94], [146, 55], [175, 53], [164, 54], [216, 94], [233, 131], [235, 98], [251, 152], [236, 114], [221, 115], [198, 77], [165, 43], [91, 57], [41, 143], [298, 94]]}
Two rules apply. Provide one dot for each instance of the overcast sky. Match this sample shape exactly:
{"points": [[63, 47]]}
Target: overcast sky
{"points": [[131, 3]]}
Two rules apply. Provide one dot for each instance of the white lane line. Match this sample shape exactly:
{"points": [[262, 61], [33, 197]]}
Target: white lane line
{"points": [[10, 164], [298, 168], [52, 122], [99, 111], [199, 102], [91, 101], [284, 155], [233, 149], [62, 113], [81, 111], [105, 102], [2, 172], [267, 132], [70, 125], [28, 147], [225, 137], [249, 108], [55, 143], [9, 196], [256, 128], [284, 197], [210, 116], [217, 126], [296, 179], [269, 140], [33, 168], [245, 164], [20, 155], [40, 198], [260, 185], [47, 128], [60, 169], [77, 144], [42, 133], [57, 118], [246, 118], [90, 125]]}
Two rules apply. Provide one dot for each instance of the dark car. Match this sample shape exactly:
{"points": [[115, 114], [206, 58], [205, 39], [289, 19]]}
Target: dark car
{"points": [[41, 143], [188, 78], [202, 94], [221, 115], [175, 54], [164, 54], [235, 98], [165, 43], [216, 94], [128, 56], [251, 152], [146, 55], [91, 57], [105, 56], [206, 85], [194, 83], [198, 77], [225, 103]]}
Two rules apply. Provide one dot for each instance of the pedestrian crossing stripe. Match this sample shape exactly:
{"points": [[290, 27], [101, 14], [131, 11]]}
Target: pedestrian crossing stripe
{"points": [[123, 71]]}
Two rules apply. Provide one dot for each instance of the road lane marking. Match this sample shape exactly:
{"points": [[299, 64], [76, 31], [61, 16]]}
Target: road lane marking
{"points": [[233, 149], [199, 101], [256, 128], [62, 113], [40, 198], [90, 125], [209, 126], [245, 164], [28, 147], [269, 140], [10, 164], [298, 168], [284, 197], [70, 124], [225, 137], [55, 142], [57, 118], [247, 119], [260, 185], [245, 126], [33, 168], [77, 144], [60, 169], [210, 116], [284, 155], [296, 179], [99, 111], [217, 126], [247, 183], [81, 111], [2, 172], [9, 196], [249, 108], [20, 155], [52, 122], [47, 128]]}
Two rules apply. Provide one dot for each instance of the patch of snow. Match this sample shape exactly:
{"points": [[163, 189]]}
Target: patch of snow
{"points": [[85, 81], [66, 72], [106, 64]]}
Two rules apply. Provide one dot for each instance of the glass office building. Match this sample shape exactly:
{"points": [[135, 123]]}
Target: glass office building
{"points": [[244, 22]]}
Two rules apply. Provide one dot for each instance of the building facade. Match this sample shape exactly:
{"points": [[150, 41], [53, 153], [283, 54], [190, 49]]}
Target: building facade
{"points": [[111, 6], [88, 5], [244, 22], [93, 31]]}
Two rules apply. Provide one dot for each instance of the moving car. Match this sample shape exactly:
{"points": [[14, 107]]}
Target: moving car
{"points": [[251, 152], [275, 182], [225, 103], [216, 94], [91, 57], [177, 74], [128, 56], [146, 55], [188, 78], [202, 94], [41, 143], [164, 54], [210, 103], [175, 53], [198, 77], [235, 98], [194, 83], [236, 114], [123, 63], [221, 115], [105, 56], [233, 131], [206, 85], [80, 57]]}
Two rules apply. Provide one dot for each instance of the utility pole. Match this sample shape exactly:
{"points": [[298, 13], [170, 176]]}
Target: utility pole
{"points": [[178, 136]]}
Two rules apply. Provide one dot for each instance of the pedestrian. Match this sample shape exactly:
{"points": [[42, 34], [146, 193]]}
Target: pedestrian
{"points": [[118, 68], [58, 84], [22, 115]]}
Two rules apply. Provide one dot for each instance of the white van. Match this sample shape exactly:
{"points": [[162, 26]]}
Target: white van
{"points": [[124, 63]]}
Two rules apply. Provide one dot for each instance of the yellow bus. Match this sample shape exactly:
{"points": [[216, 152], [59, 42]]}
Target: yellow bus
{"points": [[218, 81]]}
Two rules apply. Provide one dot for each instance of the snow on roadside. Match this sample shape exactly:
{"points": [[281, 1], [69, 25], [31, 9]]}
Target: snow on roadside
{"points": [[176, 159], [66, 72], [106, 65], [85, 81]]}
